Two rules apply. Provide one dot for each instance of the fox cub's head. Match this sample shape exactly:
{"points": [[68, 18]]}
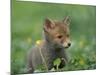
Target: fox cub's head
{"points": [[57, 32]]}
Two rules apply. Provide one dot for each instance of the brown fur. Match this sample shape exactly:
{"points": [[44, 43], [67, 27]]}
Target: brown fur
{"points": [[56, 39]]}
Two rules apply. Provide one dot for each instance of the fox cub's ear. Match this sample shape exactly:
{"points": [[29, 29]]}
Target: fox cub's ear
{"points": [[66, 20], [48, 25]]}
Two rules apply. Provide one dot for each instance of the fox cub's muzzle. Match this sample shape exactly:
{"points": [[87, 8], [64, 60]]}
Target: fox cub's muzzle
{"points": [[66, 44]]}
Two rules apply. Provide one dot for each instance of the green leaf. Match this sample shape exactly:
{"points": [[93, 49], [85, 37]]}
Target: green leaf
{"points": [[57, 61]]}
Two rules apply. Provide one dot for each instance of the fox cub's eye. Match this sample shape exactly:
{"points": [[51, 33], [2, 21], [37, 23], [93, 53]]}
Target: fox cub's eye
{"points": [[59, 36], [67, 35]]}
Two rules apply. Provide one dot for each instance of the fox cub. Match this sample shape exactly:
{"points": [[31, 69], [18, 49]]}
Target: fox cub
{"points": [[56, 39]]}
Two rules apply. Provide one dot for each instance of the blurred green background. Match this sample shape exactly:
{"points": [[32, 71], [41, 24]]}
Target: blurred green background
{"points": [[27, 20]]}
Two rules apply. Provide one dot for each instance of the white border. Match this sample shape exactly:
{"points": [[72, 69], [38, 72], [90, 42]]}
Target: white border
{"points": [[5, 37], [84, 2]]}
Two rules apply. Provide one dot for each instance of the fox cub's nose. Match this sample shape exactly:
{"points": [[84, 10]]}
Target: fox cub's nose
{"points": [[69, 44]]}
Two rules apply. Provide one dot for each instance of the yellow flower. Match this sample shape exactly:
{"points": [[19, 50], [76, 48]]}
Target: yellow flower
{"points": [[81, 62], [38, 42], [29, 40], [82, 42]]}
